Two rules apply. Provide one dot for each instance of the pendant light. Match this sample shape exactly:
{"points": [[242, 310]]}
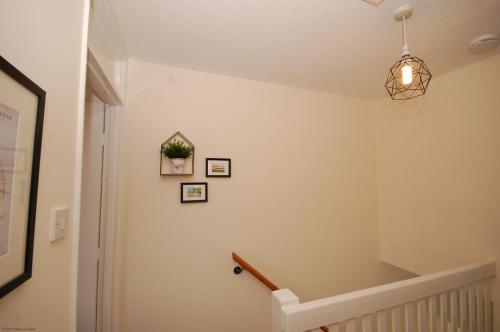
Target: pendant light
{"points": [[409, 77]]}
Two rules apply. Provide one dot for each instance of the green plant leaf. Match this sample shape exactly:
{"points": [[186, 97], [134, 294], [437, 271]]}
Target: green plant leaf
{"points": [[176, 149]]}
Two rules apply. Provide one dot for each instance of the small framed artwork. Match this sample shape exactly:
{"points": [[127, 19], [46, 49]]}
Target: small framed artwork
{"points": [[22, 105], [194, 192], [218, 167]]}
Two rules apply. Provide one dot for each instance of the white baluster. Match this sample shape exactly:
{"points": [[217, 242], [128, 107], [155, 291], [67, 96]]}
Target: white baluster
{"points": [[366, 323], [443, 304], [396, 319], [479, 306], [463, 309], [472, 308], [381, 321], [421, 315], [334, 328], [351, 325], [453, 310], [409, 317], [432, 314], [487, 306]]}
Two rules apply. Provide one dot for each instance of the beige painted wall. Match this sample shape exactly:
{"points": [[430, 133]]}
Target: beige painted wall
{"points": [[300, 204], [47, 48], [439, 173]]}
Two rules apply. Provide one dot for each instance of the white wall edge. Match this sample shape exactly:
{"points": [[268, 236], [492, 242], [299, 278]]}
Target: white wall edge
{"points": [[78, 168]]}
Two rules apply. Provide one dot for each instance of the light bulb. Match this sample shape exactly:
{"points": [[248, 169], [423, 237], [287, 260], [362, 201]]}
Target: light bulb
{"points": [[407, 74]]}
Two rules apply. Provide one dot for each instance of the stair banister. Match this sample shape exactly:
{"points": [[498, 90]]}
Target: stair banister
{"points": [[434, 296]]}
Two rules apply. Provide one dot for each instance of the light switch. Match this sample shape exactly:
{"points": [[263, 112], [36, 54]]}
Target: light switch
{"points": [[59, 223]]}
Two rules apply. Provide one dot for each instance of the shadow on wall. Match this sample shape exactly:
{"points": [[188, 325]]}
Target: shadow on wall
{"points": [[401, 109]]}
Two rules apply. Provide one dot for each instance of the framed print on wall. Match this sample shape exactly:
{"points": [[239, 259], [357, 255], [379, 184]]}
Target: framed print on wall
{"points": [[194, 192], [218, 167], [22, 105]]}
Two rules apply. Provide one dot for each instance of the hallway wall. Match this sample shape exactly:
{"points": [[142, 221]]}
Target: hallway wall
{"points": [[300, 204], [439, 173], [47, 47]]}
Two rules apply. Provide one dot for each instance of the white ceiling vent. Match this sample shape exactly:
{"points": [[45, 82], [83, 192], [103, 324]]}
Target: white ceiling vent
{"points": [[484, 43], [375, 2]]}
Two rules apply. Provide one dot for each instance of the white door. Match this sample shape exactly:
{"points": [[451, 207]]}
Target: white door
{"points": [[92, 224]]}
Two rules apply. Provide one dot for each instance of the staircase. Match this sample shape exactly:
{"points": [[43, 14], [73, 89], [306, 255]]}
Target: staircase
{"points": [[449, 301]]}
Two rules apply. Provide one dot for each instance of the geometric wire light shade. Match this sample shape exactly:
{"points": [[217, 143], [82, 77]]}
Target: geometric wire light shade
{"points": [[421, 78], [409, 77]]}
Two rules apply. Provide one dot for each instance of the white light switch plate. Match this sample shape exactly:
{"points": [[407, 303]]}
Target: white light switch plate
{"points": [[59, 223]]}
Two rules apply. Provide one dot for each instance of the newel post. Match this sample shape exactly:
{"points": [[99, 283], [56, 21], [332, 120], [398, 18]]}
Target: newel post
{"points": [[280, 299]]}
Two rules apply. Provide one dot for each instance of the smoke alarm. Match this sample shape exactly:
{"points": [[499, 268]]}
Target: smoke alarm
{"points": [[374, 2], [484, 43]]}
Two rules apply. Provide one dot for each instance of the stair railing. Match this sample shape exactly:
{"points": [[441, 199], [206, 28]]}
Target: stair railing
{"points": [[458, 299]]}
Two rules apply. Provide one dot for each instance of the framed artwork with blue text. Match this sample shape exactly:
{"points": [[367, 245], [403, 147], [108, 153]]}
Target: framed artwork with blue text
{"points": [[21, 120]]}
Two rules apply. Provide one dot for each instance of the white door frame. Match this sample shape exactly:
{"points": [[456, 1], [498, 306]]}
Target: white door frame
{"points": [[99, 82], [105, 29], [111, 207], [102, 88], [92, 227]]}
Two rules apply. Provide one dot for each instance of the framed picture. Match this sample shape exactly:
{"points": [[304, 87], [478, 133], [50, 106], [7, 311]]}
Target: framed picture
{"points": [[21, 119], [218, 167], [194, 192]]}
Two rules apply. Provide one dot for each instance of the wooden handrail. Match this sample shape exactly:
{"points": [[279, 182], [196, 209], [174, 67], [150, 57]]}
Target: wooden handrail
{"points": [[246, 266]]}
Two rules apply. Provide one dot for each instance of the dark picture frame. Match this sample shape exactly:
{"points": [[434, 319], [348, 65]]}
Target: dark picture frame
{"points": [[197, 190], [24, 85], [225, 170]]}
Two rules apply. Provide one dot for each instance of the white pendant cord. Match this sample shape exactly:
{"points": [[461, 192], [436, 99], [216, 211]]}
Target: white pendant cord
{"points": [[406, 49], [404, 31]]}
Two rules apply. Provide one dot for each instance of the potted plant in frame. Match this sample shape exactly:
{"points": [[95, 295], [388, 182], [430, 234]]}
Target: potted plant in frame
{"points": [[177, 152]]}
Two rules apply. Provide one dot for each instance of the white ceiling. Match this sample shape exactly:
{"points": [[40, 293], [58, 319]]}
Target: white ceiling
{"points": [[339, 46]]}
